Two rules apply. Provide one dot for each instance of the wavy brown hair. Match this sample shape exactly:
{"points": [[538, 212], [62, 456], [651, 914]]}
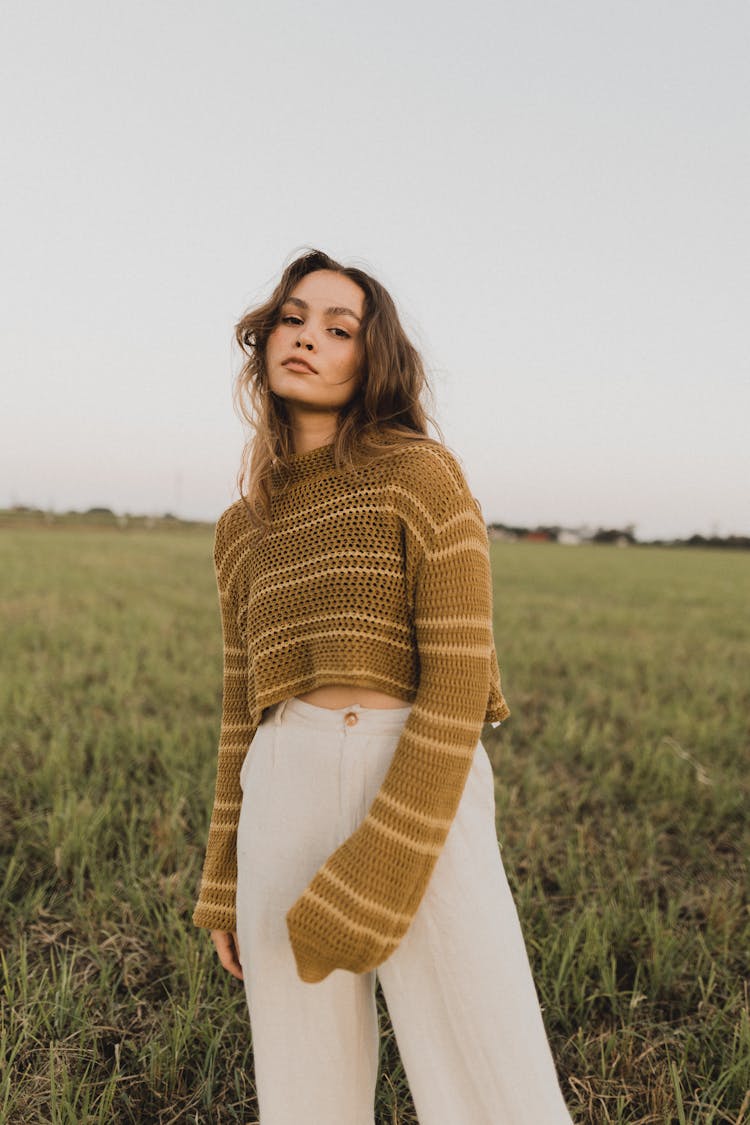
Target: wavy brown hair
{"points": [[384, 412]]}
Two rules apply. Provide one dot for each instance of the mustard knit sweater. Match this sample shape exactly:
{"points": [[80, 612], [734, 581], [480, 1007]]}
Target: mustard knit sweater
{"points": [[379, 577]]}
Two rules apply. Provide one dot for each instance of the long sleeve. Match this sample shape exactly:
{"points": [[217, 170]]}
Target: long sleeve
{"points": [[360, 903], [215, 909]]}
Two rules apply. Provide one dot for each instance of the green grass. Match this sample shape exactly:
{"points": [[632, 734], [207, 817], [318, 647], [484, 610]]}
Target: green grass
{"points": [[622, 797]]}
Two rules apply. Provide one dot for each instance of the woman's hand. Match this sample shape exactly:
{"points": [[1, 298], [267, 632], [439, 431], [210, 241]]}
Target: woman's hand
{"points": [[228, 948]]}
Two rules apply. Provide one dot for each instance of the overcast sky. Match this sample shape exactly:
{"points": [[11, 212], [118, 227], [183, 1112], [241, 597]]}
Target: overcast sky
{"points": [[556, 196]]}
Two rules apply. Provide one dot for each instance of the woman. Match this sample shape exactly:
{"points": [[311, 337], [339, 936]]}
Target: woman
{"points": [[353, 828]]}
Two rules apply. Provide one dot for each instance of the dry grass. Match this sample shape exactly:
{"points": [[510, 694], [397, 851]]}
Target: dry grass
{"points": [[622, 799]]}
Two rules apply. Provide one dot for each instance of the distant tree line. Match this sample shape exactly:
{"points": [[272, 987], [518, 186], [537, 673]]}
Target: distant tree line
{"points": [[97, 516], [619, 536], [740, 541]]}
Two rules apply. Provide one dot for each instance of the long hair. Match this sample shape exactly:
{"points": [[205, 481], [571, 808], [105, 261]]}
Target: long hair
{"points": [[384, 412]]}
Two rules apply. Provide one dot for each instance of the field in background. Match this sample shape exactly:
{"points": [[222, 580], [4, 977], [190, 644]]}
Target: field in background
{"points": [[622, 797]]}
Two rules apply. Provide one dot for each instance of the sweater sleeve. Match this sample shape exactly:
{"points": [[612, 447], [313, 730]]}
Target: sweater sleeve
{"points": [[360, 903], [215, 909]]}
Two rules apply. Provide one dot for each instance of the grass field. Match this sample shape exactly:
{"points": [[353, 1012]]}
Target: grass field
{"points": [[622, 807]]}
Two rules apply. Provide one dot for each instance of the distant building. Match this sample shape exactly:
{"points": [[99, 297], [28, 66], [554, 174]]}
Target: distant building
{"points": [[569, 537]]}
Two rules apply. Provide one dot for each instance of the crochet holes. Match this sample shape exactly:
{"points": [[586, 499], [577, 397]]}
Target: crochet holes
{"points": [[380, 578], [326, 594]]}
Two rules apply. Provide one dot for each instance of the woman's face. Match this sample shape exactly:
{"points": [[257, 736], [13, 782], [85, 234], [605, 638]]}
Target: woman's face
{"points": [[319, 323]]}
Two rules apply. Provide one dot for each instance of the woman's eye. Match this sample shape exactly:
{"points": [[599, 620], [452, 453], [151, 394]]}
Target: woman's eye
{"points": [[290, 318]]}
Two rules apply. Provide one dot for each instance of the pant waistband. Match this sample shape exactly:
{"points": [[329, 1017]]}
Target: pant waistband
{"points": [[354, 719]]}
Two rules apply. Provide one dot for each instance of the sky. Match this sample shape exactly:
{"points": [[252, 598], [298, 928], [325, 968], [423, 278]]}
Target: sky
{"points": [[555, 195]]}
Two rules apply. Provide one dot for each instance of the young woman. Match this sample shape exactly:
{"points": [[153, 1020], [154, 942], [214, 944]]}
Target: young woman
{"points": [[353, 828]]}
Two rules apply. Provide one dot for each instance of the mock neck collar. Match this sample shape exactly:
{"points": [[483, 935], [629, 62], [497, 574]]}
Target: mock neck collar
{"points": [[316, 462], [302, 466]]}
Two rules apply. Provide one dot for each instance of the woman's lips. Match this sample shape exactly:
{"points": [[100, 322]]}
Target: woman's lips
{"points": [[298, 365]]}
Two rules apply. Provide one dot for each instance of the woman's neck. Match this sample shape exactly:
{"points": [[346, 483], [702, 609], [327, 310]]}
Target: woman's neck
{"points": [[319, 428]]}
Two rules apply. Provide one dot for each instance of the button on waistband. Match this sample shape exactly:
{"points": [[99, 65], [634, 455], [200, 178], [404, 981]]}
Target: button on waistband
{"points": [[350, 718]]}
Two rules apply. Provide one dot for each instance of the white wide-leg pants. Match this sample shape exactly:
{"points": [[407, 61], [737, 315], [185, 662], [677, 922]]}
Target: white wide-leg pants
{"points": [[459, 988]]}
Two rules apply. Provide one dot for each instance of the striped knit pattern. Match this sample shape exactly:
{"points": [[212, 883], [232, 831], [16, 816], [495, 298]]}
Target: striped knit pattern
{"points": [[377, 577]]}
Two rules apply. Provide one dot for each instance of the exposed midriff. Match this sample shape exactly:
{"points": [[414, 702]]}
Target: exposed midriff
{"points": [[334, 696]]}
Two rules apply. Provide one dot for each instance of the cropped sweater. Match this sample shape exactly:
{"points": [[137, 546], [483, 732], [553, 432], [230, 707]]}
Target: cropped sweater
{"points": [[374, 576]]}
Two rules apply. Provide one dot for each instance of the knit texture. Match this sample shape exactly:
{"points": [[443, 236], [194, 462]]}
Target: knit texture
{"points": [[375, 576]]}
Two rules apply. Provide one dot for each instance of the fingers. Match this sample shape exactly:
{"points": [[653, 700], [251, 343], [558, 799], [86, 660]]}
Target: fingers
{"points": [[228, 949]]}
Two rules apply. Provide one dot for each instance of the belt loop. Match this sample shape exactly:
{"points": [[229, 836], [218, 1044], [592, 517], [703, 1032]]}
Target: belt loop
{"points": [[343, 754], [280, 709]]}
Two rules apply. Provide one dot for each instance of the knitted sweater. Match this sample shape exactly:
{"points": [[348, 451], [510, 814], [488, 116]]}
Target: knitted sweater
{"points": [[375, 576]]}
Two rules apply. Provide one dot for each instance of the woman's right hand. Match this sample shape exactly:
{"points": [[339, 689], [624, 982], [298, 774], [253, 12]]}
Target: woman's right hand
{"points": [[228, 948]]}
